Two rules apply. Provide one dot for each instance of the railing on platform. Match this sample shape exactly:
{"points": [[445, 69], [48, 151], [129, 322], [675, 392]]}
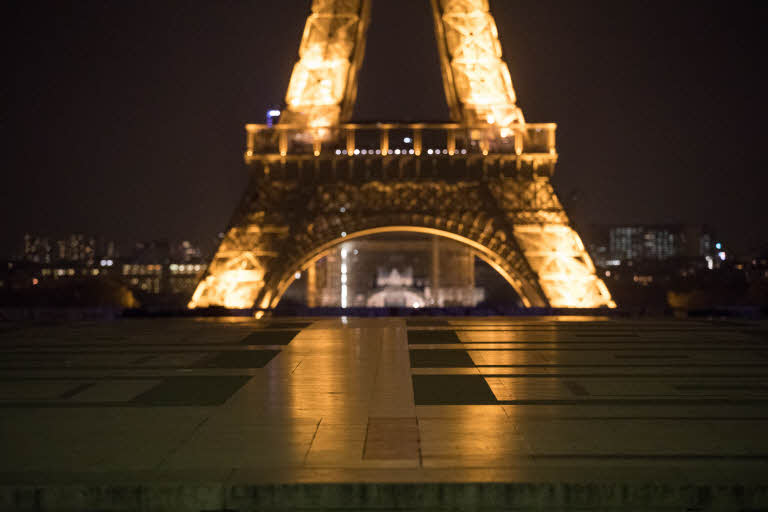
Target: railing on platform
{"points": [[385, 140]]}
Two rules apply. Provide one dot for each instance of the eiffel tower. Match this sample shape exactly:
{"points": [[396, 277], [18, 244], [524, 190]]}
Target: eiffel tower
{"points": [[483, 179]]}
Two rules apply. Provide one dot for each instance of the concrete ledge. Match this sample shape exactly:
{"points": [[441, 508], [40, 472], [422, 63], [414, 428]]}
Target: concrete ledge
{"points": [[371, 496]]}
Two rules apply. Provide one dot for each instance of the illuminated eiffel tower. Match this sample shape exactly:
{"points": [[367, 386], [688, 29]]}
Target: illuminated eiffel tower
{"points": [[483, 179]]}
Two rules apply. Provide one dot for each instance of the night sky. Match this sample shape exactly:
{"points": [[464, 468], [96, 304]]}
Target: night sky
{"points": [[125, 118]]}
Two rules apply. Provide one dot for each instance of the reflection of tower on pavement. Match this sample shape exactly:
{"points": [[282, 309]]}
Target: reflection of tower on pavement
{"points": [[435, 267], [312, 286], [394, 271]]}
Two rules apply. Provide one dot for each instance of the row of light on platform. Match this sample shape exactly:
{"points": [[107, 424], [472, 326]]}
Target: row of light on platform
{"points": [[358, 152]]}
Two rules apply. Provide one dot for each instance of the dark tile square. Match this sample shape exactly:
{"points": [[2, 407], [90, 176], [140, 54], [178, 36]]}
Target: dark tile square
{"points": [[391, 439], [758, 333], [723, 387], [651, 356], [605, 335], [432, 337], [192, 391], [269, 337], [287, 325], [239, 359], [426, 322], [452, 390], [441, 359], [576, 388]]}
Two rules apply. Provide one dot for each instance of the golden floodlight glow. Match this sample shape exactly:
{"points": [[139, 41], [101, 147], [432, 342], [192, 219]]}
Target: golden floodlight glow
{"points": [[472, 63], [566, 272], [321, 78], [233, 289], [235, 278]]}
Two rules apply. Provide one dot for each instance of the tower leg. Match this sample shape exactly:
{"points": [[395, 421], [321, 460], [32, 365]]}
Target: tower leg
{"points": [[236, 276]]}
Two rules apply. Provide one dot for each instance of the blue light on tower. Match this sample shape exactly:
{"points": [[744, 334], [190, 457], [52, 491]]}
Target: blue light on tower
{"points": [[272, 115]]}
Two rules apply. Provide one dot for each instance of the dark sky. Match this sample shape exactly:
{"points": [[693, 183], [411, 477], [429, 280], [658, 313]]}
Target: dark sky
{"points": [[125, 118]]}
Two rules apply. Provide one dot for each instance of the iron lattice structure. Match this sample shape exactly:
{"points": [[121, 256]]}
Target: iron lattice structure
{"points": [[483, 179]]}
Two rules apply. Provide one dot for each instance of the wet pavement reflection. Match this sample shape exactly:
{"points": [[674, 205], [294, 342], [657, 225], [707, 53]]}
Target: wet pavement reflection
{"points": [[401, 398]]}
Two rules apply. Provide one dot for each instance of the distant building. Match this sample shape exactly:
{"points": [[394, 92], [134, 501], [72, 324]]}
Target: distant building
{"points": [[614, 245], [183, 277], [37, 249], [143, 277], [76, 248], [160, 267], [162, 279], [152, 252], [157, 267], [642, 243], [69, 271], [186, 252]]}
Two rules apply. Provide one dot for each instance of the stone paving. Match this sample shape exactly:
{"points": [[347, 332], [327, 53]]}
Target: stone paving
{"points": [[222, 409]]}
